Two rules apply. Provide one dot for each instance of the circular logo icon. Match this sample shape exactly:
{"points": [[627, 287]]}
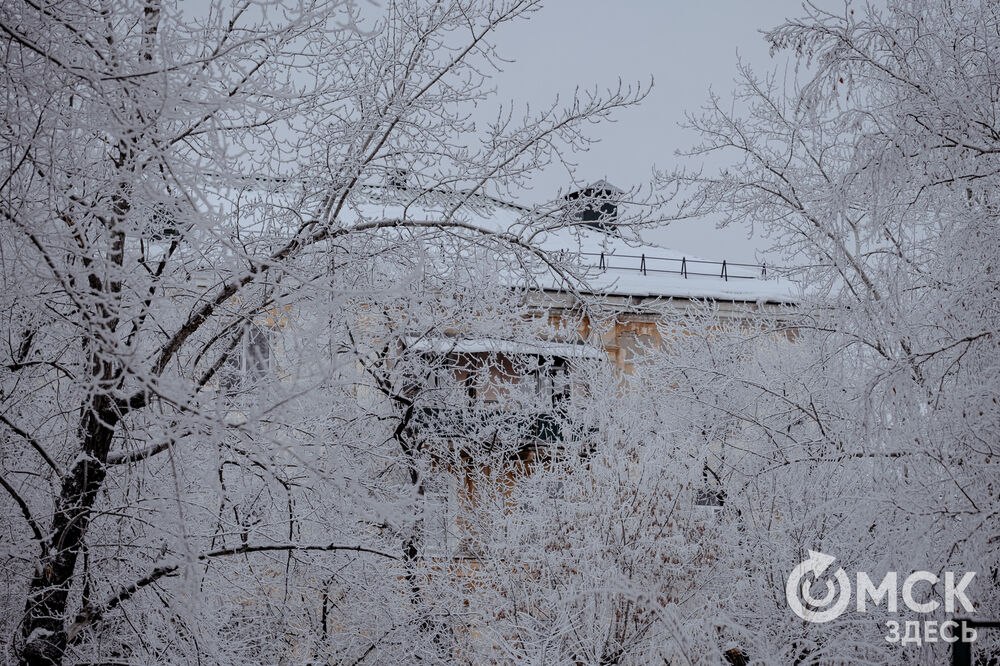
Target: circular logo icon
{"points": [[798, 591]]}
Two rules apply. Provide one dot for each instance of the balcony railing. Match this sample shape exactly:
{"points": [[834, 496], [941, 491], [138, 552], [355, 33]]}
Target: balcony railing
{"points": [[458, 423], [646, 264]]}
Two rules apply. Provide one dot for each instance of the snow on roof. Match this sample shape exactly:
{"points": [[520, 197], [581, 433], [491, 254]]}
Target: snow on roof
{"points": [[611, 264], [602, 186]]}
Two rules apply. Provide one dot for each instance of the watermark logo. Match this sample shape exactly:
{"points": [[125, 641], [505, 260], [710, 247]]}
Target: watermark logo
{"points": [[916, 589], [798, 590]]}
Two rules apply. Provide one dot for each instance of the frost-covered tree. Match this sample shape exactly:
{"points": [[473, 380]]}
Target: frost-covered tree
{"points": [[869, 438], [204, 456], [614, 542]]}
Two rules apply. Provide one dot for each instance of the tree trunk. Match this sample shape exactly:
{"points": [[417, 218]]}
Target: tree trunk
{"points": [[44, 627]]}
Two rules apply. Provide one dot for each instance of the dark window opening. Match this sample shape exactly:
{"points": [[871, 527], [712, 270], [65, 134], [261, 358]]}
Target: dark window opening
{"points": [[711, 493]]}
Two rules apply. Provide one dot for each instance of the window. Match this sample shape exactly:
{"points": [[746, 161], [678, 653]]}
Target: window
{"points": [[440, 512], [553, 381], [710, 496], [248, 362], [257, 352]]}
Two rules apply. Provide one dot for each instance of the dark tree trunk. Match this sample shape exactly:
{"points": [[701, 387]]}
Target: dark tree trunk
{"points": [[44, 629]]}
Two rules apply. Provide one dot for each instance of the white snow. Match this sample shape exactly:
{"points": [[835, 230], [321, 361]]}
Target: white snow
{"points": [[580, 247], [622, 273]]}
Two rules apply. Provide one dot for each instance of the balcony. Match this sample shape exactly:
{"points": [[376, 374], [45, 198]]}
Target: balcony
{"points": [[455, 423]]}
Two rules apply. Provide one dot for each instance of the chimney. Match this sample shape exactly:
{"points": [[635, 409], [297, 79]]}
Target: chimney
{"points": [[596, 205], [397, 178]]}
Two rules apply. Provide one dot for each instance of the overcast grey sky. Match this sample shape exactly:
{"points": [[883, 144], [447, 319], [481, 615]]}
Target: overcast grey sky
{"points": [[687, 47]]}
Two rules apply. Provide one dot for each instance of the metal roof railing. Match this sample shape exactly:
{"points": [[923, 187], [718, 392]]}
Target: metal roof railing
{"points": [[684, 267]]}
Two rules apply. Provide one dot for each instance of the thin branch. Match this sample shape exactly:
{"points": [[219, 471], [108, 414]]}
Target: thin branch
{"points": [[34, 444], [91, 614], [26, 512]]}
